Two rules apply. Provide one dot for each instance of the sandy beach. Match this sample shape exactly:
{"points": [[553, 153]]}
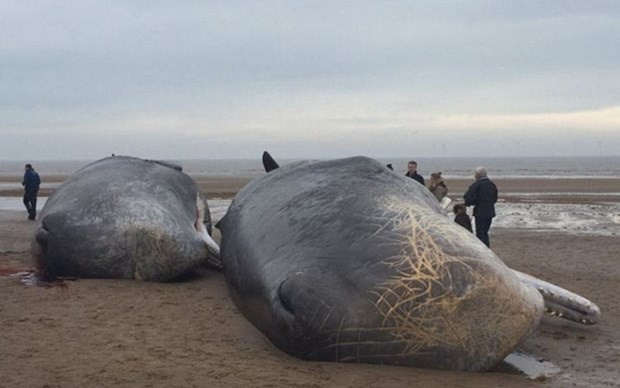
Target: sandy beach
{"points": [[123, 333]]}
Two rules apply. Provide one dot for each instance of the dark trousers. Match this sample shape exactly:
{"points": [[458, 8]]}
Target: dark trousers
{"points": [[30, 201], [482, 230]]}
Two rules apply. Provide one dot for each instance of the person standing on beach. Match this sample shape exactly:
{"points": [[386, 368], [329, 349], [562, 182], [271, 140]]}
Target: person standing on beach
{"points": [[482, 195], [437, 186], [412, 172], [31, 184]]}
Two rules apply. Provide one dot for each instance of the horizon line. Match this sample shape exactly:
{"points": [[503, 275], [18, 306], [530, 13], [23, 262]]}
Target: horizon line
{"points": [[328, 158]]}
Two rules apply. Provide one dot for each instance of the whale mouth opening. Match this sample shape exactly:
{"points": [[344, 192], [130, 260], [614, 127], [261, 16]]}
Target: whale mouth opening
{"points": [[43, 271], [576, 311]]}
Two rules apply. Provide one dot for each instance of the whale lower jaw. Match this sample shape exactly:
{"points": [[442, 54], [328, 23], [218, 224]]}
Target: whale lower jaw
{"points": [[213, 250], [563, 303]]}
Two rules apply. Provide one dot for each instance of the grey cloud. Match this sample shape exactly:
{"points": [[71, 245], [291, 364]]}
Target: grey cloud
{"points": [[80, 64]]}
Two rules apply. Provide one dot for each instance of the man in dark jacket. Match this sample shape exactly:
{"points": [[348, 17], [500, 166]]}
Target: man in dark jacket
{"points": [[31, 184], [412, 172], [482, 194]]}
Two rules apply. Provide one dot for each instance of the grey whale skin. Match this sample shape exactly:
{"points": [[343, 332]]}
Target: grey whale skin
{"points": [[124, 217], [345, 260]]}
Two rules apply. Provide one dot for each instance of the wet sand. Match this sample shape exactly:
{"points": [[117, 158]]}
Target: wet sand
{"points": [[135, 334]]}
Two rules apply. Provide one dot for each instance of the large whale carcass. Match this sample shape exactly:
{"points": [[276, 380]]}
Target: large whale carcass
{"points": [[124, 217], [345, 260]]}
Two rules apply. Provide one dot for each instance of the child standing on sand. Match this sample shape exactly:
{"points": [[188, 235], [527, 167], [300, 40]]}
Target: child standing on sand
{"points": [[461, 216]]}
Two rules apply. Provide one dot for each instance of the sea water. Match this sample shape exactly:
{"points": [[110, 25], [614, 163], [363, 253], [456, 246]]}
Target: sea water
{"points": [[522, 167]]}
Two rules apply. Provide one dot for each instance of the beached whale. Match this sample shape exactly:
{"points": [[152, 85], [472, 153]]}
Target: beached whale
{"points": [[124, 217], [345, 260]]}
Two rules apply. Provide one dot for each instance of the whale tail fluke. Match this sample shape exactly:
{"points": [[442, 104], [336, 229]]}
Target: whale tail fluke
{"points": [[268, 162]]}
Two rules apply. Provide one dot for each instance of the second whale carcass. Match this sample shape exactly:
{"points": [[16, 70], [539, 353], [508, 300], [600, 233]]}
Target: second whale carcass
{"points": [[125, 217], [344, 260]]}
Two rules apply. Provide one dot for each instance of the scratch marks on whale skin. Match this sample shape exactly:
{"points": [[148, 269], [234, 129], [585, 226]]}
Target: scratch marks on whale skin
{"points": [[155, 253], [438, 295]]}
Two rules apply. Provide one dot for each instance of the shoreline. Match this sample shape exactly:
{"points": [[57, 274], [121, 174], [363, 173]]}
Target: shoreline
{"points": [[572, 206], [227, 186]]}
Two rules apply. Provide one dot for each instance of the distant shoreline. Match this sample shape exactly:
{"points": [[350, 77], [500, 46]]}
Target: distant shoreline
{"points": [[452, 167], [226, 186]]}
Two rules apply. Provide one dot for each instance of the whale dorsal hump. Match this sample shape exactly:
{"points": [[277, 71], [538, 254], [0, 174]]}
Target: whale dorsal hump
{"points": [[268, 162], [168, 164]]}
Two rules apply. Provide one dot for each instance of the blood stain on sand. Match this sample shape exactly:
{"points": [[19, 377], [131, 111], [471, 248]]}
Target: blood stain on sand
{"points": [[10, 271]]}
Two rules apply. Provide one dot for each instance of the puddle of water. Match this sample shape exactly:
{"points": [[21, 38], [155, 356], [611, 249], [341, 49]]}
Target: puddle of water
{"points": [[28, 278], [17, 203], [18, 185], [595, 219]]}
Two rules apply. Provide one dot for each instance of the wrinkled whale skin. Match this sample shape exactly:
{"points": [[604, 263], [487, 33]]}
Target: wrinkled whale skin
{"points": [[123, 217], [345, 260]]}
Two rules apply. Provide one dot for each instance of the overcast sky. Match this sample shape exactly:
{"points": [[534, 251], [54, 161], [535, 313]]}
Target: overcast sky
{"points": [[308, 79]]}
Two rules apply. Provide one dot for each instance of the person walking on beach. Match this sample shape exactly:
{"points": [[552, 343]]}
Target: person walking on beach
{"points": [[461, 217], [31, 184], [412, 172], [482, 195], [437, 186]]}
